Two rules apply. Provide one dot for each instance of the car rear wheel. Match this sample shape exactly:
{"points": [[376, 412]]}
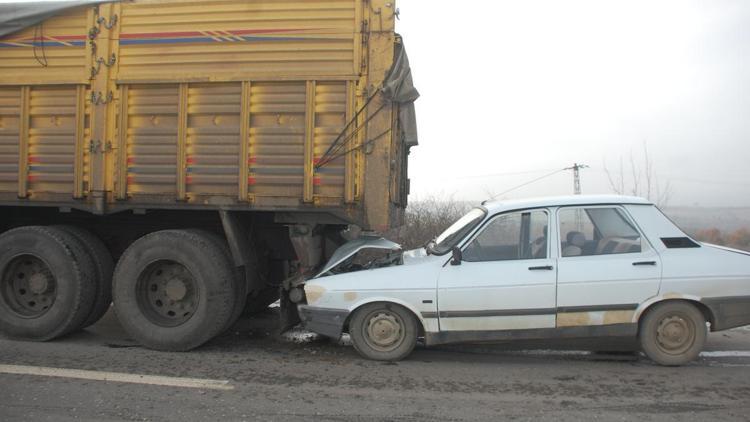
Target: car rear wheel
{"points": [[673, 333], [383, 331], [174, 290]]}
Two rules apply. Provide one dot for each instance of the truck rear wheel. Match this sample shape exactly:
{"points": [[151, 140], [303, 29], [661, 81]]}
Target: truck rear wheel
{"points": [[46, 286], [240, 287], [103, 266], [173, 290]]}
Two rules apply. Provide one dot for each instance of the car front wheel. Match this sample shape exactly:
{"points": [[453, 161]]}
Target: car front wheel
{"points": [[383, 331], [673, 333]]}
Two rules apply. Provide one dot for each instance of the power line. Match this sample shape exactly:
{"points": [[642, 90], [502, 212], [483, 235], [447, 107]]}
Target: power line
{"points": [[514, 173], [526, 183]]}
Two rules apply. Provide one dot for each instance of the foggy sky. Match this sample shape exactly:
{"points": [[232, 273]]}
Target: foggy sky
{"points": [[514, 90], [533, 86]]}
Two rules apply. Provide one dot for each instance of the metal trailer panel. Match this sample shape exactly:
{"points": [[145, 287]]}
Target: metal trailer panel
{"points": [[204, 105], [268, 39], [50, 53]]}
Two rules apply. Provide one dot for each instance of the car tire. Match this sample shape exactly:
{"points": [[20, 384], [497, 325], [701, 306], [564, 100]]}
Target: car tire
{"points": [[673, 333], [103, 266], [46, 283], [383, 331], [173, 290]]}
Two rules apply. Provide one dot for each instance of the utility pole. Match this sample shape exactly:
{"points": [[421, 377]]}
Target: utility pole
{"points": [[577, 176], [577, 190]]}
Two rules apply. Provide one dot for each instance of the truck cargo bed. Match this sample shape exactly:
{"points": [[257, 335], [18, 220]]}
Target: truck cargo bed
{"points": [[239, 105]]}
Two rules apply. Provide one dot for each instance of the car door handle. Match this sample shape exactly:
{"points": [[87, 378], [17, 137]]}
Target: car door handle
{"points": [[542, 267], [645, 263]]}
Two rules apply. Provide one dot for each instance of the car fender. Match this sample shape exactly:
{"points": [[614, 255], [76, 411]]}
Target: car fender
{"points": [[374, 299], [661, 298]]}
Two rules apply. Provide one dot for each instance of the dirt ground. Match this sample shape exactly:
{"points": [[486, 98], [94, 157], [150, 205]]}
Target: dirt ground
{"points": [[270, 377]]}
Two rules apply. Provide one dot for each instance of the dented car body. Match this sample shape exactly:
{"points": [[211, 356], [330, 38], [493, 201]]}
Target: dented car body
{"points": [[578, 266]]}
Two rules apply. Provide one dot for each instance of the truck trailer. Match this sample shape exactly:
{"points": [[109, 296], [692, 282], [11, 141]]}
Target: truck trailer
{"points": [[182, 159]]}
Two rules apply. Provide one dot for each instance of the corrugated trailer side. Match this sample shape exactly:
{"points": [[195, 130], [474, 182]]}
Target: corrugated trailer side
{"points": [[212, 151], [179, 103]]}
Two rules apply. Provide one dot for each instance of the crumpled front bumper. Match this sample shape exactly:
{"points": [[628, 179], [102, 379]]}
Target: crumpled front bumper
{"points": [[325, 321]]}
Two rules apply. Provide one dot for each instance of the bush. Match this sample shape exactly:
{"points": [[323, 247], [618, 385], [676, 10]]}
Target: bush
{"points": [[738, 239], [426, 219]]}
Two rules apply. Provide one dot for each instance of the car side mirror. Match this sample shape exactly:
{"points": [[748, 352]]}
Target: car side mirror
{"points": [[456, 257]]}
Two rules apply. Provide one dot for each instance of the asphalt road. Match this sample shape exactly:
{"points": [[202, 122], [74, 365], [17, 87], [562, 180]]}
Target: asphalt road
{"points": [[250, 373]]}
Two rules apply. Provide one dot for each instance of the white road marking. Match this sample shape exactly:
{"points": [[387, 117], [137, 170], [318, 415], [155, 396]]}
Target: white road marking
{"points": [[117, 377], [729, 365], [726, 354]]}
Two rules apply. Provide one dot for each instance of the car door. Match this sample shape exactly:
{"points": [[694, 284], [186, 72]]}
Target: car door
{"points": [[606, 266], [505, 280]]}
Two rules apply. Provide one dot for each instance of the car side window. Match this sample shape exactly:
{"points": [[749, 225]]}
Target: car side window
{"points": [[597, 231], [519, 235]]}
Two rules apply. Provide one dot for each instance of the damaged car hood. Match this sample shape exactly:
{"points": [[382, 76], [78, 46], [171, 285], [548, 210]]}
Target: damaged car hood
{"points": [[353, 246]]}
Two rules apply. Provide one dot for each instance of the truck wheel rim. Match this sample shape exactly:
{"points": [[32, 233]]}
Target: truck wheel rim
{"points": [[384, 330], [675, 334], [29, 287], [167, 293]]}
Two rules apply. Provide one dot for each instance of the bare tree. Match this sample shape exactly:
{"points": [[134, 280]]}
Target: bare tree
{"points": [[427, 218], [643, 180]]}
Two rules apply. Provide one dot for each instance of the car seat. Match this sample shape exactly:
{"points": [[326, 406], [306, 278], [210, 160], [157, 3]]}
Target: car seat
{"points": [[575, 243]]}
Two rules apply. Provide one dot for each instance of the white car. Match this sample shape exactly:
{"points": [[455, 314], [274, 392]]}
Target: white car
{"points": [[575, 266]]}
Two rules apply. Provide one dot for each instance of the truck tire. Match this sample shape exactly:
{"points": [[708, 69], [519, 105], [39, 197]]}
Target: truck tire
{"points": [[46, 284], [173, 291], [240, 287], [103, 266], [383, 331], [673, 333]]}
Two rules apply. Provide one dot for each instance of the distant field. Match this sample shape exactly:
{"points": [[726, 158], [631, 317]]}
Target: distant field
{"points": [[726, 219]]}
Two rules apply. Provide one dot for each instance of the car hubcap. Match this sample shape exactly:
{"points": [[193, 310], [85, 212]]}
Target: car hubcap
{"points": [[384, 331], [167, 293], [675, 334], [28, 286]]}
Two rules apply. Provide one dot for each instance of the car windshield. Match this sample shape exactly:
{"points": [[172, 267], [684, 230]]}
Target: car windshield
{"points": [[448, 239]]}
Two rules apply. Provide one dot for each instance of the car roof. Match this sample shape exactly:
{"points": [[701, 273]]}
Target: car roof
{"points": [[555, 201]]}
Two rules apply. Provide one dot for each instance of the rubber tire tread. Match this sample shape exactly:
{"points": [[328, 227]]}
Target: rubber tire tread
{"points": [[204, 260], [73, 270], [648, 327], [104, 266], [240, 286], [356, 332]]}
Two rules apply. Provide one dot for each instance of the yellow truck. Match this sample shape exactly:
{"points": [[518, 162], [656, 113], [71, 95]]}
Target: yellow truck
{"points": [[181, 158]]}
